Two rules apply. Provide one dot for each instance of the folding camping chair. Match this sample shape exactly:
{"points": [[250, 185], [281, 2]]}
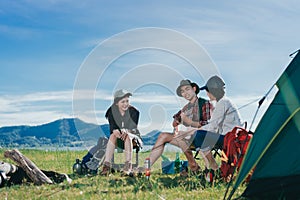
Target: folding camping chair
{"points": [[217, 150], [120, 149], [137, 145]]}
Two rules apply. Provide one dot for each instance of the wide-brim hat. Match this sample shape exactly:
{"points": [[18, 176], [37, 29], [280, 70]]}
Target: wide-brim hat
{"points": [[119, 94], [184, 83]]}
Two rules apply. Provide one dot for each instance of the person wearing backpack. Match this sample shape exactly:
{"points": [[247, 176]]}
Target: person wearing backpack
{"points": [[225, 116], [194, 114]]}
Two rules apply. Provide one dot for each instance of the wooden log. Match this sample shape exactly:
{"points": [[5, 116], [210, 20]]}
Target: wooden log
{"points": [[34, 173]]}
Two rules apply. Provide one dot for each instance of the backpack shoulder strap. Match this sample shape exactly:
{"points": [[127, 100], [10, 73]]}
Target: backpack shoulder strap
{"points": [[201, 102]]}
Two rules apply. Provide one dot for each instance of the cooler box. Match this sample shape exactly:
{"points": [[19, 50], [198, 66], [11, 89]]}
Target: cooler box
{"points": [[168, 167]]}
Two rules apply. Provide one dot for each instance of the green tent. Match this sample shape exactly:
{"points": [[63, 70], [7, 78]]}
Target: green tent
{"points": [[275, 147]]}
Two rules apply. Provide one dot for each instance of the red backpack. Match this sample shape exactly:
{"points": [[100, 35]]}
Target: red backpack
{"points": [[234, 148]]}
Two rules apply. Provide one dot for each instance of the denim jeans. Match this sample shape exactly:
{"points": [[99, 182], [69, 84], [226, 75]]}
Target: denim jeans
{"points": [[206, 140]]}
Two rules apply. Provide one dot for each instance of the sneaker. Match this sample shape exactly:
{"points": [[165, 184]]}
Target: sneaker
{"points": [[127, 173], [184, 173], [127, 170], [197, 171], [208, 175], [106, 170]]}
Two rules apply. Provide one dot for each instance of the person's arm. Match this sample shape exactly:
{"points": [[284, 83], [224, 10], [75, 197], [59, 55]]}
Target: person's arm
{"points": [[189, 122], [217, 118], [135, 117], [134, 120], [114, 128]]}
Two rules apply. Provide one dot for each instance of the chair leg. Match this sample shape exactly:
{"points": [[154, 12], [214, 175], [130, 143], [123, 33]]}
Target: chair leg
{"points": [[136, 157], [196, 154], [120, 166]]}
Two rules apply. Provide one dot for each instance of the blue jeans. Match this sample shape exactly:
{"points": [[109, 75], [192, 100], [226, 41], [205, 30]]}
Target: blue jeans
{"points": [[206, 140]]}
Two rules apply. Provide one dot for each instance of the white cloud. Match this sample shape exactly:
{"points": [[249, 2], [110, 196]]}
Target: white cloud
{"points": [[41, 107], [30, 117], [249, 42], [34, 108]]}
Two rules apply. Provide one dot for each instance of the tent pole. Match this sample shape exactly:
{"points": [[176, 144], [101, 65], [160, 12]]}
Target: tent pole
{"points": [[231, 193], [259, 104]]}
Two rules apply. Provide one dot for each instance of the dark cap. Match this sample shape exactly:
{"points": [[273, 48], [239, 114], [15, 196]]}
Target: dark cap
{"points": [[215, 85], [184, 83], [214, 82]]}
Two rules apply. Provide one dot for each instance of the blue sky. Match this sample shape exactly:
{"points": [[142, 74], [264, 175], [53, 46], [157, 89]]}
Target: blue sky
{"points": [[46, 44]]}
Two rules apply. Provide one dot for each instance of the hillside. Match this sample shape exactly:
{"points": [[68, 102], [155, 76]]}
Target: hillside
{"points": [[71, 132], [62, 132]]}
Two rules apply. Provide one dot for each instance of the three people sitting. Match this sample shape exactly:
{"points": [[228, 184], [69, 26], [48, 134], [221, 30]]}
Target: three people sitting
{"points": [[205, 125]]}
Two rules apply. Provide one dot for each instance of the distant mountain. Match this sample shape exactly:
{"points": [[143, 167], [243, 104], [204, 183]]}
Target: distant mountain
{"points": [[151, 137], [62, 132], [68, 132]]}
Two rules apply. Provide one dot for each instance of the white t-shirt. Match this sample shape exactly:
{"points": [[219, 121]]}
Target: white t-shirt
{"points": [[224, 117]]}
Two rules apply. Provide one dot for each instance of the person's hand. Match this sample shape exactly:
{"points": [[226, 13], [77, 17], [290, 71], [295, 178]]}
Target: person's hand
{"points": [[185, 120], [175, 123], [177, 116], [117, 133], [124, 134], [189, 122]]}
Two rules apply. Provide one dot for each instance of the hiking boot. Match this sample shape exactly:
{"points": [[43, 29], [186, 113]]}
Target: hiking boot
{"points": [[197, 171], [193, 172], [208, 175], [127, 171], [106, 170], [184, 173]]}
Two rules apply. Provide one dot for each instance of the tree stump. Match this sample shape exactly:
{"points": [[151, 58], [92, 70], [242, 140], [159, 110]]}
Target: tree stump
{"points": [[34, 173]]}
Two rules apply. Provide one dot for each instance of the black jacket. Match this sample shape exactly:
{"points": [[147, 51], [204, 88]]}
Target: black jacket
{"points": [[128, 121]]}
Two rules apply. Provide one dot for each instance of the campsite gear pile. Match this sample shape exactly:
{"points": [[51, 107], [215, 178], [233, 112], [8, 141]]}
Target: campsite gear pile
{"points": [[234, 148], [26, 171], [6, 170], [174, 166], [92, 160]]}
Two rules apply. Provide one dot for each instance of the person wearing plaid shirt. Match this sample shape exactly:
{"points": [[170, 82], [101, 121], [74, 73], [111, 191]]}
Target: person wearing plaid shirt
{"points": [[193, 110], [191, 117]]}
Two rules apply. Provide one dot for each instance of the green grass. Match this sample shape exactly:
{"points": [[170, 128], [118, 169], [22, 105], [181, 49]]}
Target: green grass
{"points": [[115, 186]]}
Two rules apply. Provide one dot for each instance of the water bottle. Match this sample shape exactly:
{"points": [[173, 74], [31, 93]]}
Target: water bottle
{"points": [[165, 158], [77, 168], [147, 168], [177, 163]]}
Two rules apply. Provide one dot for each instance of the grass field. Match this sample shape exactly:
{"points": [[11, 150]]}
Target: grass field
{"points": [[115, 186]]}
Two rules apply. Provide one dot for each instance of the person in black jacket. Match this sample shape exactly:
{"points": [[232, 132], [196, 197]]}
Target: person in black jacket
{"points": [[123, 120]]}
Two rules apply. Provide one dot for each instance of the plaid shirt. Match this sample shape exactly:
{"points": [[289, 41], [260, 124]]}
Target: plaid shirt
{"points": [[192, 111], [206, 110]]}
